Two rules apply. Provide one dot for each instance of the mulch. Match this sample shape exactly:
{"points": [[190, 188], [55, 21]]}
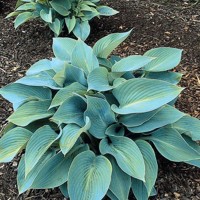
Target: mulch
{"points": [[155, 23]]}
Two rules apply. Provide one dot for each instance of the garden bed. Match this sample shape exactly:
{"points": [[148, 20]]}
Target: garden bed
{"points": [[155, 23]]}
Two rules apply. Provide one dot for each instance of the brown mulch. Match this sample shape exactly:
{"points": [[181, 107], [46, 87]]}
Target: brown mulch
{"points": [[155, 23]]}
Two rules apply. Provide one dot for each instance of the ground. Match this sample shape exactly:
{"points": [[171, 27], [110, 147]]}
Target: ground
{"points": [[155, 23]]}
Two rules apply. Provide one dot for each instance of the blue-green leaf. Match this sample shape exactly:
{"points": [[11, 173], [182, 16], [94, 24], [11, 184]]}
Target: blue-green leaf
{"points": [[115, 130], [63, 47], [131, 63], [55, 171], [30, 112], [23, 17], [100, 114], [41, 65], [26, 6], [106, 11], [89, 177], [46, 16], [38, 144], [70, 135], [165, 59], [64, 190], [166, 115], [189, 126], [106, 45], [127, 154], [98, 80], [75, 74], [71, 111], [56, 26], [168, 141], [171, 77], [18, 94], [141, 95], [82, 30], [24, 183], [151, 168], [43, 79], [67, 92], [61, 6], [120, 181], [12, 142], [137, 119], [84, 58], [70, 23]]}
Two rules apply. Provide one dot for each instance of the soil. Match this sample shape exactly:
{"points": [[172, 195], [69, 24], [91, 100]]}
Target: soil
{"points": [[155, 23]]}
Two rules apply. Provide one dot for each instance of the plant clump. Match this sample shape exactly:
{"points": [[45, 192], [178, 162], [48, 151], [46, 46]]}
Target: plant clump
{"points": [[87, 121], [74, 14]]}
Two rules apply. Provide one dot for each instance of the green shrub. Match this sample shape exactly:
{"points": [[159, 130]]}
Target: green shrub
{"points": [[75, 14], [88, 120]]}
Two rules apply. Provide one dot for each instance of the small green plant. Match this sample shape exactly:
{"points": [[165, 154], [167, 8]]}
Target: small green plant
{"points": [[87, 121], [75, 14]]}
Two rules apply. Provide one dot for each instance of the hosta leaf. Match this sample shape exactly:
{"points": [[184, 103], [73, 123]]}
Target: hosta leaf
{"points": [[165, 59], [30, 112], [9, 126], [189, 126], [12, 142], [58, 65], [106, 11], [26, 6], [100, 114], [151, 168], [120, 181], [56, 26], [140, 95], [66, 93], [139, 190], [137, 119], [12, 14], [24, 183], [106, 45], [98, 80], [131, 63], [55, 171], [82, 30], [23, 17], [168, 141], [171, 77], [127, 154], [64, 190], [111, 195], [47, 17], [166, 115], [60, 77], [41, 65], [84, 58], [43, 79], [89, 177], [70, 135], [115, 130], [70, 23], [75, 74], [71, 111], [61, 6], [63, 47], [85, 7], [18, 94], [196, 163], [39, 143]]}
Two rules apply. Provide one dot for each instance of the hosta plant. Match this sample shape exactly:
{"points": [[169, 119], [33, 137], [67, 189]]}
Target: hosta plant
{"points": [[75, 14], [89, 123]]}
